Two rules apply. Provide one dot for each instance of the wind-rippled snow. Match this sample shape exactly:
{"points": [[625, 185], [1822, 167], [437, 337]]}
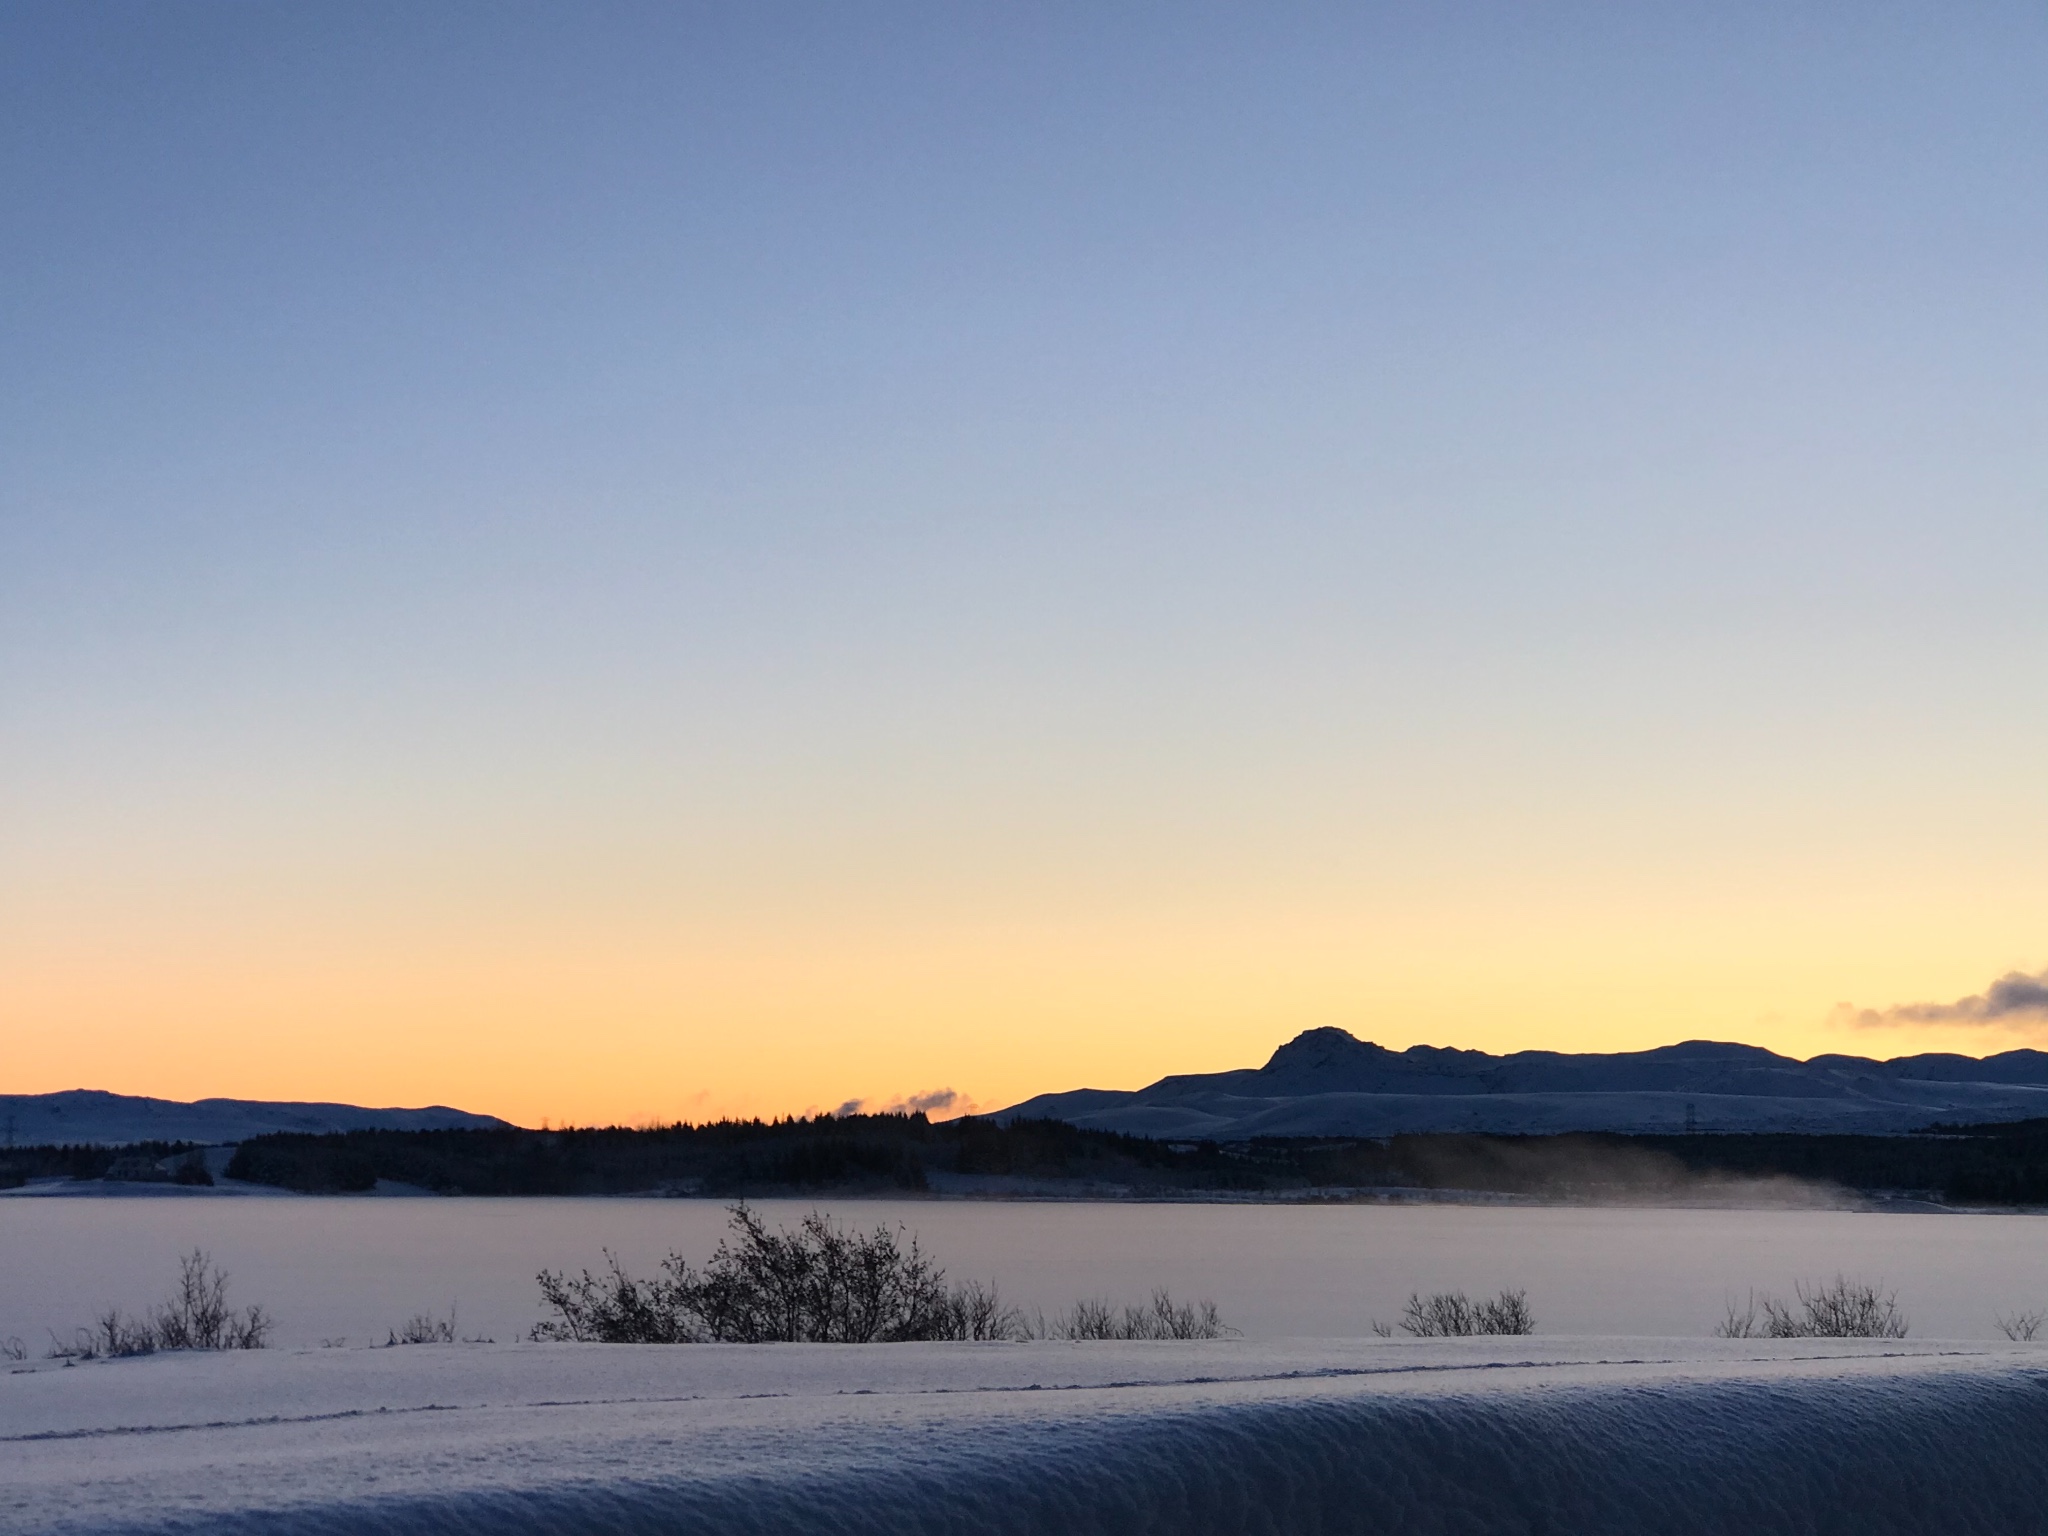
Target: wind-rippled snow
{"points": [[1580, 1436]]}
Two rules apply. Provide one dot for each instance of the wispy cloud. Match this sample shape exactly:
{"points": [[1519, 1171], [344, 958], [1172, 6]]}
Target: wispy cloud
{"points": [[2014, 1001]]}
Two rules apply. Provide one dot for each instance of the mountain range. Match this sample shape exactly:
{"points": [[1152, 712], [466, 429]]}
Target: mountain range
{"points": [[89, 1116], [1327, 1082]]}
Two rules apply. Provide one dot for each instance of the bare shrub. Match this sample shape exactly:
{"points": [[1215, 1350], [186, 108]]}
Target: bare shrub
{"points": [[821, 1283], [614, 1308], [199, 1317], [1841, 1309], [80, 1346], [116, 1336], [2022, 1327], [196, 1317], [11, 1348], [423, 1328], [1444, 1315], [1164, 1318], [1507, 1313], [980, 1314], [817, 1284], [1454, 1315]]}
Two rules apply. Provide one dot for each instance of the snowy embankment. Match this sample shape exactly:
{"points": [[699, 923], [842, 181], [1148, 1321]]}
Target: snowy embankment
{"points": [[1570, 1435]]}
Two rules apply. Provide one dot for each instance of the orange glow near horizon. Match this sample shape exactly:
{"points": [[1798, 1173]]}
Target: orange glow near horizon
{"points": [[648, 563], [643, 1024]]}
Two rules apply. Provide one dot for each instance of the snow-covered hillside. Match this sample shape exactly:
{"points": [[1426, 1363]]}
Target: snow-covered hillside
{"points": [[1325, 1082], [1475, 1436], [86, 1115]]}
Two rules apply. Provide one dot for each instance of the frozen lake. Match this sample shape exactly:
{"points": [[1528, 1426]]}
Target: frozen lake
{"points": [[352, 1268]]}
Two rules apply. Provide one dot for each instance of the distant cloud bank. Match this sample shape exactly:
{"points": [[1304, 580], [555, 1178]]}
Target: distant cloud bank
{"points": [[2015, 1001]]}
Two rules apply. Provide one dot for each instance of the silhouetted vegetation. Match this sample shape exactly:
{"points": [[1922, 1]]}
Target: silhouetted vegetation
{"points": [[18, 1165], [909, 1155], [819, 1284], [426, 1328], [877, 1154], [196, 1317], [1454, 1315], [1841, 1309], [423, 1328], [1163, 1319]]}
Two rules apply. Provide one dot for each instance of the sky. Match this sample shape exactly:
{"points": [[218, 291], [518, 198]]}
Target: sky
{"points": [[616, 562]]}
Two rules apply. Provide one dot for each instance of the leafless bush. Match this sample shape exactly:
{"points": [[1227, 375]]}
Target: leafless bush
{"points": [[979, 1313], [2023, 1327], [1163, 1319], [199, 1316], [11, 1348], [1454, 1315], [1507, 1313], [816, 1284], [614, 1308], [196, 1317], [1841, 1309], [820, 1283], [423, 1328], [116, 1336]]}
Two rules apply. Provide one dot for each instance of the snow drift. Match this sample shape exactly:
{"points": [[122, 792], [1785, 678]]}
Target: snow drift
{"points": [[1580, 1436]]}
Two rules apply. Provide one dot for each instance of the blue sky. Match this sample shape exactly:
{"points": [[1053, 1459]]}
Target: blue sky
{"points": [[799, 480]]}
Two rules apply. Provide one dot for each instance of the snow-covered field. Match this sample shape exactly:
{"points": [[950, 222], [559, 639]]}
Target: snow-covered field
{"points": [[1577, 1436]]}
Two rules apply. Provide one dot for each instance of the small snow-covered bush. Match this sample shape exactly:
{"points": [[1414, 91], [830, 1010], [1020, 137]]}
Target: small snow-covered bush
{"points": [[1454, 1315], [1841, 1309]]}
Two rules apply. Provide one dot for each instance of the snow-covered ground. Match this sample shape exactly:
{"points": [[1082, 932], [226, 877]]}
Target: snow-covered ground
{"points": [[1580, 1436]]}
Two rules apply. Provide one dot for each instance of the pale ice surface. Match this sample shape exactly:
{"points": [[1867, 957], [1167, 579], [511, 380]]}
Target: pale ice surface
{"points": [[1579, 1436], [354, 1268]]}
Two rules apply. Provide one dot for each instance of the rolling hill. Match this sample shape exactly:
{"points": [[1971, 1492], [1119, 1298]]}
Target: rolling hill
{"points": [[1326, 1082], [90, 1116]]}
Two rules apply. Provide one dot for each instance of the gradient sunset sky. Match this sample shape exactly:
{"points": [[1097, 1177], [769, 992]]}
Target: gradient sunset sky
{"points": [[614, 562]]}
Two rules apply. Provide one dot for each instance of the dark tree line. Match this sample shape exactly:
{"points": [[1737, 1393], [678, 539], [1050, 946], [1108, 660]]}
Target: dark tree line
{"points": [[909, 1155]]}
